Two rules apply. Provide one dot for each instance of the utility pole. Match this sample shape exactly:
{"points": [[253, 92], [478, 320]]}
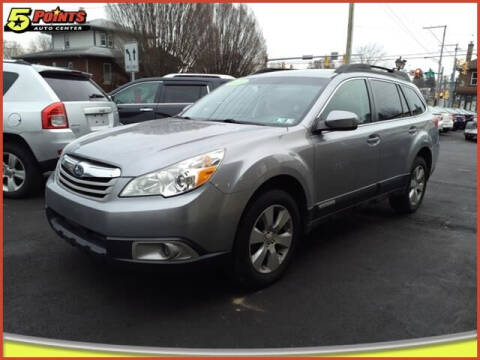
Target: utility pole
{"points": [[452, 86], [441, 53], [348, 52]]}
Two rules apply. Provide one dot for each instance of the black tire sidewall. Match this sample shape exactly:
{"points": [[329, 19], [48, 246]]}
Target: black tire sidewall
{"points": [[33, 176], [244, 271]]}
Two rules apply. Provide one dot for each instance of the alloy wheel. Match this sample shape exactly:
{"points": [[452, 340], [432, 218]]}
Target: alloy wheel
{"points": [[417, 185], [271, 239], [13, 173]]}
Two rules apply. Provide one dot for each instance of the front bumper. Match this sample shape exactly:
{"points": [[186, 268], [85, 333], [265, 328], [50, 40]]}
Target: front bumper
{"points": [[204, 219]]}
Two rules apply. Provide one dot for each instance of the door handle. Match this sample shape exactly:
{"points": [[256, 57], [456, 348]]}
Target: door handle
{"points": [[373, 140], [146, 109], [412, 130]]}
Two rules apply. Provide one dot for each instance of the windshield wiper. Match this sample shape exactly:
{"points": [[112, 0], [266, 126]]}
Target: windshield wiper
{"points": [[96, 96], [182, 117], [233, 121]]}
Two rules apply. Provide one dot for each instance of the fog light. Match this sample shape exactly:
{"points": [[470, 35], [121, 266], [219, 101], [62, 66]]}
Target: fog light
{"points": [[162, 250]]}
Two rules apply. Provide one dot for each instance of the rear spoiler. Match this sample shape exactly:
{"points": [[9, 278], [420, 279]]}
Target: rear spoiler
{"points": [[66, 73]]}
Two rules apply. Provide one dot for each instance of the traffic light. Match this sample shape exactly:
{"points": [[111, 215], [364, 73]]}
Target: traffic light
{"points": [[327, 62]]}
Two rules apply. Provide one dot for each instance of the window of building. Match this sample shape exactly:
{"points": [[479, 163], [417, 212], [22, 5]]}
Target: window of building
{"points": [[387, 100], [110, 40], [342, 100], [54, 63], [70, 65], [473, 81], [107, 73], [66, 41], [103, 39]]}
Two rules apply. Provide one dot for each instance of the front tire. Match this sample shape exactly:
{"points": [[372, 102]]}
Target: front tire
{"points": [[21, 174], [411, 198], [266, 239]]}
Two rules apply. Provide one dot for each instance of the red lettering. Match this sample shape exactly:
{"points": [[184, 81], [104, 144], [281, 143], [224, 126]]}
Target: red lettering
{"points": [[81, 17], [37, 16]]}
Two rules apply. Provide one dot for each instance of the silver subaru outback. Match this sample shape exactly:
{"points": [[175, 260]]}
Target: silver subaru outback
{"points": [[247, 170]]}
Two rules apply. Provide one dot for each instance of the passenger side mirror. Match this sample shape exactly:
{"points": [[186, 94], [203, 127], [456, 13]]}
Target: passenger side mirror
{"points": [[338, 120]]}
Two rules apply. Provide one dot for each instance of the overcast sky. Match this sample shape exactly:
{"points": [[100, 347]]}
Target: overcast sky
{"points": [[319, 29]]}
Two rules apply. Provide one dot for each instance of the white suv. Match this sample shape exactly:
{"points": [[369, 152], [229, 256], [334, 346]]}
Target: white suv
{"points": [[44, 109]]}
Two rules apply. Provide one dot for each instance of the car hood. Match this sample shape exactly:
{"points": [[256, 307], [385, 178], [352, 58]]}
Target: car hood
{"points": [[148, 146]]}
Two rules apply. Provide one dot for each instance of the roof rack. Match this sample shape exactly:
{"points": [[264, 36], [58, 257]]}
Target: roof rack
{"points": [[373, 69], [17, 61], [188, 75], [267, 70]]}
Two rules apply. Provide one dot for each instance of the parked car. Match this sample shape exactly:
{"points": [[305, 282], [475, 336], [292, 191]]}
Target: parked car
{"points": [[471, 130], [247, 170], [160, 97], [458, 118], [443, 117], [45, 108]]}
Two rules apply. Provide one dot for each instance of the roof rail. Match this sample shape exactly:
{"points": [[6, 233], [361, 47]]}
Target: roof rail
{"points": [[267, 70], [17, 61], [187, 75], [373, 69]]}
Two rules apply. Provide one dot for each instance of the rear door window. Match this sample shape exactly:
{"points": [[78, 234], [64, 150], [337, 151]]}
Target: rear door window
{"points": [[416, 104], [406, 110], [183, 93], [8, 79], [387, 100], [141, 93], [342, 100], [74, 88]]}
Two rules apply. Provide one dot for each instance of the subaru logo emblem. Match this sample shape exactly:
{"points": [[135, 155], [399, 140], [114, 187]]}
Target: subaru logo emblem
{"points": [[78, 170]]}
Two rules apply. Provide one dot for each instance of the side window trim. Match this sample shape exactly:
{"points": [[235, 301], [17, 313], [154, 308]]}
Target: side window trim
{"points": [[327, 102], [402, 96]]}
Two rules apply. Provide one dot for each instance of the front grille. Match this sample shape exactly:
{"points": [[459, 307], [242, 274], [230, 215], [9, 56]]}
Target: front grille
{"points": [[87, 184]]}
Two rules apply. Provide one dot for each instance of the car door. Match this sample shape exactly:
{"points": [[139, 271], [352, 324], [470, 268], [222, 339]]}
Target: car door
{"points": [[346, 162], [397, 126], [175, 95], [137, 102]]}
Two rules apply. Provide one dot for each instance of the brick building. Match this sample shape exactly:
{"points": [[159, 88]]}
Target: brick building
{"points": [[466, 86], [98, 51]]}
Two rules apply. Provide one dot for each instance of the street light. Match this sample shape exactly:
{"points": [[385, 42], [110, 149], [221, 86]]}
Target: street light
{"points": [[400, 64]]}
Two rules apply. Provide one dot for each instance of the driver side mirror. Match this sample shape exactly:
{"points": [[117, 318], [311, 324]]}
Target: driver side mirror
{"points": [[338, 120]]}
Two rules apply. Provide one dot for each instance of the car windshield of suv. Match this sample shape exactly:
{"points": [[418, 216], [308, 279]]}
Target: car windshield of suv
{"points": [[275, 101]]}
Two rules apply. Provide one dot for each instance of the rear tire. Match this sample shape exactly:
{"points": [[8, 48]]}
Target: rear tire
{"points": [[266, 239], [21, 174], [411, 198]]}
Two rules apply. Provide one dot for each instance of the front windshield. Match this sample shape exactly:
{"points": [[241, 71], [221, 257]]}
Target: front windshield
{"points": [[276, 101]]}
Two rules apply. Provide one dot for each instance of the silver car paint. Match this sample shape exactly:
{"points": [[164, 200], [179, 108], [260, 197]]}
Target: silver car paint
{"points": [[328, 166], [26, 99]]}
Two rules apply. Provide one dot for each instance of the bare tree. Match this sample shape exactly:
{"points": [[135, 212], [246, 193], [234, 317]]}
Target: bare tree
{"points": [[170, 35], [235, 43], [370, 53], [40, 43], [11, 49]]}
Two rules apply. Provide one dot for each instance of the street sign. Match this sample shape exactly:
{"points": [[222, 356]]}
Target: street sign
{"points": [[130, 51]]}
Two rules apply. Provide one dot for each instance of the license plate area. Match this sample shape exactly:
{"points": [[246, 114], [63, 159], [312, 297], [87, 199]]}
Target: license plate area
{"points": [[98, 121]]}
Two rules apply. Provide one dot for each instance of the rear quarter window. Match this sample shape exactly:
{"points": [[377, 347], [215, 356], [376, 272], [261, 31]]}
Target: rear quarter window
{"points": [[416, 104], [9, 79], [74, 88], [387, 100]]}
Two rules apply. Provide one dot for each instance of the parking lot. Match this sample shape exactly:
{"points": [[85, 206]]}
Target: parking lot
{"points": [[366, 276]]}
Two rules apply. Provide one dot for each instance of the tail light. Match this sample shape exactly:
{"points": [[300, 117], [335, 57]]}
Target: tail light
{"points": [[436, 119], [54, 116]]}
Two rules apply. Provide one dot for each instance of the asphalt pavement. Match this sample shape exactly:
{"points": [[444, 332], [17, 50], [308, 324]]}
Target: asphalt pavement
{"points": [[366, 276]]}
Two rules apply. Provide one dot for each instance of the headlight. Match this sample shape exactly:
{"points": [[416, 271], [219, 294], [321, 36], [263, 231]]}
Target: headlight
{"points": [[176, 179]]}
